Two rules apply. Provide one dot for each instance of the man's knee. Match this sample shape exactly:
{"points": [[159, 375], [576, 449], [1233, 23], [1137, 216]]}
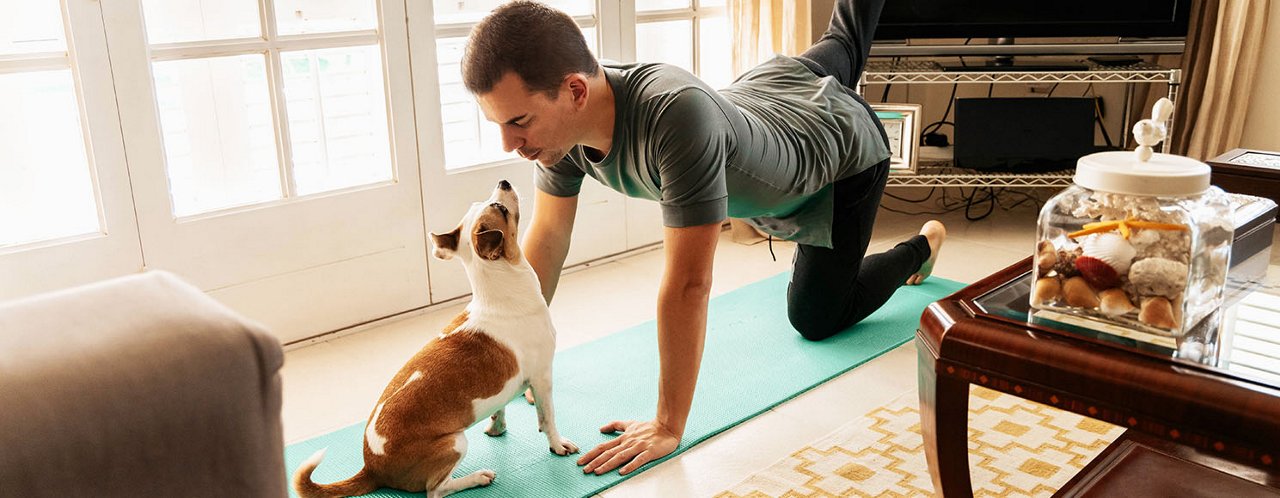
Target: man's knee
{"points": [[813, 325]]}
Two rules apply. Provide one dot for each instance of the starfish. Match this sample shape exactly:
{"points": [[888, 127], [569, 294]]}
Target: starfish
{"points": [[1125, 226]]}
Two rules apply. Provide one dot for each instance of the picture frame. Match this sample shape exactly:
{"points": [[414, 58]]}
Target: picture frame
{"points": [[902, 124], [1248, 171]]}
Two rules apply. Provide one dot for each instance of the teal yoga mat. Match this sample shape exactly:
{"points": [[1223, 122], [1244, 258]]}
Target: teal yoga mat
{"points": [[753, 361]]}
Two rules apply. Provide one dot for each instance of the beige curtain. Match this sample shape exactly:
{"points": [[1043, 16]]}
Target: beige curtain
{"points": [[1214, 118], [760, 29]]}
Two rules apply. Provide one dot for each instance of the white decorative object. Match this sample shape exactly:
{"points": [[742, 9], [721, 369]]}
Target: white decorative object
{"points": [[1150, 132]]}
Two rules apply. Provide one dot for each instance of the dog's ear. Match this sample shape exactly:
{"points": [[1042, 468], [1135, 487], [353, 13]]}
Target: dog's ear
{"points": [[489, 244], [445, 244]]}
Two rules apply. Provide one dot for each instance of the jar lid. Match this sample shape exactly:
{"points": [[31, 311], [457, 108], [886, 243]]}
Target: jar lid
{"points": [[1121, 172], [1142, 171]]}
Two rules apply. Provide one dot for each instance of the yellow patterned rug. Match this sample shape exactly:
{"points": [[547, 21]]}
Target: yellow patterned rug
{"points": [[1016, 448]]}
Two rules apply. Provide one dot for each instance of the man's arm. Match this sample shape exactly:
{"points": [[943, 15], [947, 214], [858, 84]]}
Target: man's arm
{"points": [[546, 243], [682, 327]]}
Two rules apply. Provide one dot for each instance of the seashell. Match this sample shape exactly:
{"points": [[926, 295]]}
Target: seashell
{"points": [[1158, 312], [1115, 302], [1066, 265], [1079, 294], [1098, 272], [1111, 248], [1047, 290], [1046, 257]]}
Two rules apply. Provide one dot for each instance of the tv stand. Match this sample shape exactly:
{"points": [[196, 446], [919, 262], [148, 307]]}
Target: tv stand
{"points": [[928, 72], [1018, 67]]}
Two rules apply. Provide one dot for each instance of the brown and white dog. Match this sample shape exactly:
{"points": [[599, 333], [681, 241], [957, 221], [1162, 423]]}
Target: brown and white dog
{"points": [[501, 344]]}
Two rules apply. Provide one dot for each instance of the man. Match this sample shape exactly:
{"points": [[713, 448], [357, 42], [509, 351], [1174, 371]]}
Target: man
{"points": [[788, 146]]}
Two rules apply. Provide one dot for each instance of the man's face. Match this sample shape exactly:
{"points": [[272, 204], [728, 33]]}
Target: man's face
{"points": [[534, 125]]}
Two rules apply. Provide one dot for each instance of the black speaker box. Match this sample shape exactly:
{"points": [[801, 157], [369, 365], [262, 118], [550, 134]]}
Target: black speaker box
{"points": [[1023, 134]]}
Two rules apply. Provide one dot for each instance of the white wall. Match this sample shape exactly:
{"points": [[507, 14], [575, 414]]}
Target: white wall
{"points": [[1262, 123]]}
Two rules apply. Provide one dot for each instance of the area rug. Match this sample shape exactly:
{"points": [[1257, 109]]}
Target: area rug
{"points": [[753, 360], [1016, 448]]}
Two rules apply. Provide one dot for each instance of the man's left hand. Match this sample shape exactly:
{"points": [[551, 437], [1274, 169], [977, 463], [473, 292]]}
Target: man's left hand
{"points": [[640, 443]]}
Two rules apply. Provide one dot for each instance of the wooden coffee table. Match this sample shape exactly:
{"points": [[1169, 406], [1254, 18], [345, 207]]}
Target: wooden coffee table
{"points": [[1199, 417]]}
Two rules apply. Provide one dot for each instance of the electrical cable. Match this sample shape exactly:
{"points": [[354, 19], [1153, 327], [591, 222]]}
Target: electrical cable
{"points": [[969, 200], [934, 126], [1097, 117], [904, 199]]}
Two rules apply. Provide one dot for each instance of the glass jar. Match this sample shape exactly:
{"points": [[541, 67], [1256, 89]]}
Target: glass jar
{"points": [[1143, 244]]}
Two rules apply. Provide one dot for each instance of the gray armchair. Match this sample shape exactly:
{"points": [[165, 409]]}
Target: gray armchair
{"points": [[138, 386]]}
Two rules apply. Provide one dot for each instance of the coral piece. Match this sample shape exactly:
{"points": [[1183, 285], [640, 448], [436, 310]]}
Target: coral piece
{"points": [[1066, 265], [1114, 302], [1079, 293], [1048, 290], [1111, 248], [1113, 207], [1046, 257], [1100, 274], [1158, 277], [1162, 244], [1158, 312]]}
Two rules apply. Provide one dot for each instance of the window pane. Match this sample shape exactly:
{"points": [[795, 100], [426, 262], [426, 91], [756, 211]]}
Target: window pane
{"points": [[469, 138], [465, 11], [31, 26], [219, 137], [650, 5], [46, 190], [294, 17], [191, 20], [715, 57], [337, 118], [667, 41]]}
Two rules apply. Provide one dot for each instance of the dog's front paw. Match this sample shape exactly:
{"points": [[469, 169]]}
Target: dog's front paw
{"points": [[564, 447], [485, 477], [497, 426]]}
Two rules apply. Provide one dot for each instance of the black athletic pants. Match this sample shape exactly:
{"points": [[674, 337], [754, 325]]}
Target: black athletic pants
{"points": [[833, 289]]}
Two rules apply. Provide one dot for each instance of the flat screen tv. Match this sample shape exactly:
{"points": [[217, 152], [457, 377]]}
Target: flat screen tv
{"points": [[907, 19]]}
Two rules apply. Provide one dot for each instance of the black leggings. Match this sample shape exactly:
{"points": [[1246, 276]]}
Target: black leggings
{"points": [[833, 289]]}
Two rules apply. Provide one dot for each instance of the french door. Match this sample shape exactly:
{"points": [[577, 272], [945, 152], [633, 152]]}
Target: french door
{"points": [[273, 156], [66, 213]]}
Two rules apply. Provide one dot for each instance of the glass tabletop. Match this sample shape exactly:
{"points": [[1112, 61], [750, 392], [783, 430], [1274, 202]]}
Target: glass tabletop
{"points": [[1245, 344]]}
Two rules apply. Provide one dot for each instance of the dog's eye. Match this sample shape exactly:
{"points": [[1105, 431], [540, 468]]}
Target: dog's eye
{"points": [[501, 208]]}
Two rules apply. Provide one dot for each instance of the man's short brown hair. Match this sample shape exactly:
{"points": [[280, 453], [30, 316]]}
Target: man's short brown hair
{"points": [[540, 44]]}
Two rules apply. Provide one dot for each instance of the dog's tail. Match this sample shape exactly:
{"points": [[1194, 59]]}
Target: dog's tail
{"points": [[359, 484]]}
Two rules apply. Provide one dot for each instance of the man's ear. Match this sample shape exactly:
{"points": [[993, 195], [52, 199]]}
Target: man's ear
{"points": [[577, 85], [489, 244], [445, 244]]}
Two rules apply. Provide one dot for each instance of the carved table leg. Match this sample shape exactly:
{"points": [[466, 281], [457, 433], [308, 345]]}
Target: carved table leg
{"points": [[944, 423]]}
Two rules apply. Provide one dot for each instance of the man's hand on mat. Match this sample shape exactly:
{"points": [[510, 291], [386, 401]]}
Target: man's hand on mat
{"points": [[640, 443]]}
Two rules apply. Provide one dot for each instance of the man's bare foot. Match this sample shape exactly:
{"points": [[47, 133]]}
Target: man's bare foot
{"points": [[936, 233]]}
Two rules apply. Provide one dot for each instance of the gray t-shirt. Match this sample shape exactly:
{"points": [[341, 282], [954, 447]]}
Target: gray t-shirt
{"points": [[767, 148]]}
